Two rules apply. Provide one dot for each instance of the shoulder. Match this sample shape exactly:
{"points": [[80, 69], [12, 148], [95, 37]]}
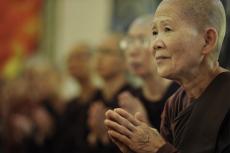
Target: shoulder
{"points": [[172, 88], [176, 99], [174, 105]]}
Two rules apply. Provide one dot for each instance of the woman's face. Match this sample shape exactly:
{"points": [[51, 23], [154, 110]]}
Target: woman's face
{"points": [[176, 45]]}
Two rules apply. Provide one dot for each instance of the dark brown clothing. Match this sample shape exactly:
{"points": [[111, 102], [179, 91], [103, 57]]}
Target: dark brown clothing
{"points": [[201, 125], [71, 136], [155, 108], [111, 104]]}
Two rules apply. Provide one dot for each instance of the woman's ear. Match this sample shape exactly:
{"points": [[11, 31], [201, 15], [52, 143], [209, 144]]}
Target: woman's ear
{"points": [[210, 37]]}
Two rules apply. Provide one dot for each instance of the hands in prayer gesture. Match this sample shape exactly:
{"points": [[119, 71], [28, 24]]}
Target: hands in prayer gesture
{"points": [[132, 105], [130, 133]]}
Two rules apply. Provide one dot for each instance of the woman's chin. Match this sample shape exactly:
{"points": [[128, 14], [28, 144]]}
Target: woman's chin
{"points": [[165, 73]]}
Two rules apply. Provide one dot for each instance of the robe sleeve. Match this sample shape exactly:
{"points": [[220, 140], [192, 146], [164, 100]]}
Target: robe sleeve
{"points": [[167, 148], [165, 128]]}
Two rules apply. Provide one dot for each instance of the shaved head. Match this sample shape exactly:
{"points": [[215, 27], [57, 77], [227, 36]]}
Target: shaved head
{"points": [[81, 47], [110, 45], [145, 22], [203, 14]]}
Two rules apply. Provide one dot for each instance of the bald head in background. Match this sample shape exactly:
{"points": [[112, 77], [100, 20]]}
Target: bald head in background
{"points": [[79, 61], [109, 54], [110, 44], [136, 46], [144, 21]]}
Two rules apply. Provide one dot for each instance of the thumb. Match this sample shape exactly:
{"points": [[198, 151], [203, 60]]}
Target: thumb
{"points": [[140, 117]]}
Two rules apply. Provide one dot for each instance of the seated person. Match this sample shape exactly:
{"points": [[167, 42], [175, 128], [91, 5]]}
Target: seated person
{"points": [[110, 65], [187, 39], [73, 129], [155, 90]]}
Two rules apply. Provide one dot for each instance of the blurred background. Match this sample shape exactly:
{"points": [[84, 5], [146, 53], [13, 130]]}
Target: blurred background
{"points": [[49, 29], [36, 37]]}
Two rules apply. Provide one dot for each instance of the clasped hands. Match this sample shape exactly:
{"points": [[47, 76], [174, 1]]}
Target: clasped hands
{"points": [[130, 133]]}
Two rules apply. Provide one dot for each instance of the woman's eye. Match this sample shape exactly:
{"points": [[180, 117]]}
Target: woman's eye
{"points": [[167, 29], [154, 33]]}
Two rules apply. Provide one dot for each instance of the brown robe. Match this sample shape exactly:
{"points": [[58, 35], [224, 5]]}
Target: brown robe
{"points": [[201, 125]]}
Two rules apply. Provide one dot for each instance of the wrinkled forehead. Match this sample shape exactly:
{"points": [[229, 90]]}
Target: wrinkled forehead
{"points": [[167, 9], [172, 12]]}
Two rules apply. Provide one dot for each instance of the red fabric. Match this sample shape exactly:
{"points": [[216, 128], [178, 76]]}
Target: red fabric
{"points": [[20, 25]]}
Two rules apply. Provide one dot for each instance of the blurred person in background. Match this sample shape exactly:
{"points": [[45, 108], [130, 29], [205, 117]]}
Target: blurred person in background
{"points": [[45, 79], [155, 90], [28, 125], [18, 125], [225, 55], [73, 128], [111, 66]]}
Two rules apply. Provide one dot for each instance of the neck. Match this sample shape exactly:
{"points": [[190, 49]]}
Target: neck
{"points": [[112, 85], [196, 83], [87, 89], [154, 86]]}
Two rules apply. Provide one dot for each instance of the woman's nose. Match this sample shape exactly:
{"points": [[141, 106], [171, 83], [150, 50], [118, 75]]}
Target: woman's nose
{"points": [[158, 44]]}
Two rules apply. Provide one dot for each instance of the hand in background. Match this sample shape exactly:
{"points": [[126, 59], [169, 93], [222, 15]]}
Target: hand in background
{"points": [[44, 124], [96, 119], [132, 105], [21, 126]]}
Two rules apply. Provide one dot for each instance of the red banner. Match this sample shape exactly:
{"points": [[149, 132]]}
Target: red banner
{"points": [[20, 28]]}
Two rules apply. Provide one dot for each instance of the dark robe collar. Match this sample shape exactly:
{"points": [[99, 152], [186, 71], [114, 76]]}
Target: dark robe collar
{"points": [[201, 130]]}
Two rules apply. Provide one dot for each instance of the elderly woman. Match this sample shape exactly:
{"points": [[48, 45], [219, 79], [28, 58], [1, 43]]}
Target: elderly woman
{"points": [[187, 38]]}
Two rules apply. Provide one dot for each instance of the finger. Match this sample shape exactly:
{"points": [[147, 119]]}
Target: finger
{"points": [[108, 113], [117, 136], [121, 146], [140, 117], [117, 127], [127, 116], [116, 142], [155, 132], [112, 115]]}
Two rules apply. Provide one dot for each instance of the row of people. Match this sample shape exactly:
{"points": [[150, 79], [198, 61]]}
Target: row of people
{"points": [[36, 119], [187, 40], [112, 58]]}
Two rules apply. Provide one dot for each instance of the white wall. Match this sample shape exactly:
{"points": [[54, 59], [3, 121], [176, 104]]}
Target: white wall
{"points": [[80, 20]]}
